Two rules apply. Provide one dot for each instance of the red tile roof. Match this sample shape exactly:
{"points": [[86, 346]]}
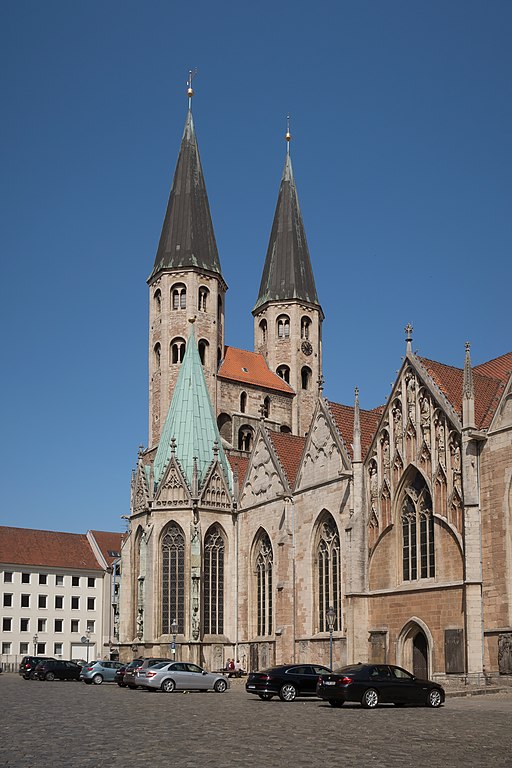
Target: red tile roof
{"points": [[26, 546], [344, 418], [499, 368], [109, 543], [241, 463], [289, 449], [250, 368]]}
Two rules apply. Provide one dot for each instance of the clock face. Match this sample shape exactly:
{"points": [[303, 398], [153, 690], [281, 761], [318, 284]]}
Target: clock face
{"points": [[306, 347]]}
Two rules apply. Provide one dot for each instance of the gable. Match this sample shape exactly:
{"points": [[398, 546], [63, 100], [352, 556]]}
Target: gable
{"points": [[324, 458], [172, 490], [215, 491], [263, 481], [503, 416], [140, 490]]}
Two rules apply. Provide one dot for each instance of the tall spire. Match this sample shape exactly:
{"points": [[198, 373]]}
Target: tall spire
{"points": [[187, 238], [190, 430], [468, 392], [356, 444], [287, 273]]}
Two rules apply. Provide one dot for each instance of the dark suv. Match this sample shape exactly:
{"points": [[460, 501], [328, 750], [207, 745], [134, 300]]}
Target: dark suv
{"points": [[57, 670], [131, 674], [29, 663]]}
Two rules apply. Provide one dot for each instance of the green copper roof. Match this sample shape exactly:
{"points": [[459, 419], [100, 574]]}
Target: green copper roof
{"points": [[191, 422]]}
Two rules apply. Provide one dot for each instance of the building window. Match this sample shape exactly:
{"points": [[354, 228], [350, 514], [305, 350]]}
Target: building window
{"points": [[243, 402], [59, 580], [245, 437], [43, 578], [264, 563], [90, 625], [418, 552], [305, 326], [91, 603], [91, 581], [179, 296], [203, 351], [263, 332], [177, 351], [219, 310], [7, 577], [75, 603], [214, 582], [42, 601], [23, 649], [57, 649], [173, 579], [157, 297], [6, 649], [283, 327], [305, 376], [59, 601], [157, 357], [6, 624], [41, 625], [202, 299], [266, 408], [58, 624], [25, 601], [24, 625], [328, 573], [284, 372], [75, 581], [41, 649], [25, 578], [7, 600], [75, 625]]}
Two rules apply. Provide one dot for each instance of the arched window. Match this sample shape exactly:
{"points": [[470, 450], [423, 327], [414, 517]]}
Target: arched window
{"points": [[202, 298], [263, 332], [264, 563], [266, 407], [157, 354], [224, 425], [219, 309], [179, 296], [214, 547], [157, 297], [418, 552], [305, 325], [245, 436], [243, 402], [283, 327], [173, 579], [305, 376], [203, 351], [219, 356], [177, 350], [328, 559], [285, 428], [284, 372]]}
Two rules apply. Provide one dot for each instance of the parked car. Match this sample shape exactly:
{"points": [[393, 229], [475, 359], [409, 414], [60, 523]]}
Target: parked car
{"points": [[29, 663], [286, 681], [373, 684], [180, 676], [57, 670], [130, 675], [98, 672], [119, 676]]}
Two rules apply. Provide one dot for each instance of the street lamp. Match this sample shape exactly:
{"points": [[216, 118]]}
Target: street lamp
{"points": [[36, 638], [174, 629], [86, 640], [331, 618]]}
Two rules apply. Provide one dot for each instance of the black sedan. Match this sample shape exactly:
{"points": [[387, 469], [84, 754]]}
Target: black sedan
{"points": [[287, 681], [57, 670], [372, 684]]}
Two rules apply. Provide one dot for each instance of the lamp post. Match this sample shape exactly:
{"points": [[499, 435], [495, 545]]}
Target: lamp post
{"points": [[174, 629], [86, 640], [36, 638], [331, 618]]}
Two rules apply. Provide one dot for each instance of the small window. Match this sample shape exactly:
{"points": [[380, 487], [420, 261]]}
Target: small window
{"points": [[263, 332], [219, 310], [245, 437], [75, 581], [23, 649], [157, 358], [41, 649], [91, 603], [41, 625], [59, 580], [6, 649], [305, 326], [7, 577], [25, 578], [25, 601], [91, 581], [43, 578], [158, 300], [90, 626], [58, 624], [243, 402], [59, 601], [7, 600], [283, 327], [6, 624], [75, 603], [24, 625], [75, 625], [202, 299], [57, 649], [305, 376], [203, 351], [284, 372], [177, 351], [42, 601], [266, 408], [179, 296]]}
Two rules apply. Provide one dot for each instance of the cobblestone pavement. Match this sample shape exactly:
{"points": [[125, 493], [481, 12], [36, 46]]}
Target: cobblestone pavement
{"points": [[69, 724]]}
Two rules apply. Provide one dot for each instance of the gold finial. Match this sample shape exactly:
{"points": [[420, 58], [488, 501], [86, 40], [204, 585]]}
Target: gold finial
{"points": [[288, 135], [190, 90]]}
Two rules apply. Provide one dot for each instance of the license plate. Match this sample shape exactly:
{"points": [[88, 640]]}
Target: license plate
{"points": [[329, 682]]}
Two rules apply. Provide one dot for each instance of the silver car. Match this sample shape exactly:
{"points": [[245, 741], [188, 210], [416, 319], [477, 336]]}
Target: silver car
{"points": [[181, 676], [98, 671]]}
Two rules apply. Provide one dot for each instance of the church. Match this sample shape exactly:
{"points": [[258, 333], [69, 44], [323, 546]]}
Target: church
{"points": [[272, 525]]}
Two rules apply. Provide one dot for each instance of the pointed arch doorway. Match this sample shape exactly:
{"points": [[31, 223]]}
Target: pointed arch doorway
{"points": [[415, 648], [419, 656]]}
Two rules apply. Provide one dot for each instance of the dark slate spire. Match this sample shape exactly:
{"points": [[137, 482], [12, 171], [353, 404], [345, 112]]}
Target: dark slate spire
{"points": [[187, 238], [287, 273]]}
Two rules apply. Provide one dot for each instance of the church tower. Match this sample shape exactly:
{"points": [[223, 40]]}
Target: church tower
{"points": [[287, 315], [186, 281]]}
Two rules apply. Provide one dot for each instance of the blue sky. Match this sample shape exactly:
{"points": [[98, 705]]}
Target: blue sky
{"points": [[401, 119]]}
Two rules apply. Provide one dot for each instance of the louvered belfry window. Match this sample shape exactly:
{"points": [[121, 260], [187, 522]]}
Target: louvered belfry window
{"points": [[214, 548], [264, 564], [173, 579]]}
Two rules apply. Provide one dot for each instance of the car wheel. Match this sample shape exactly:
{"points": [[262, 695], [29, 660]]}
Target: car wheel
{"points": [[168, 686], [88, 682], [265, 696], [434, 698], [370, 698], [336, 702], [49, 676], [220, 686], [97, 680], [288, 692]]}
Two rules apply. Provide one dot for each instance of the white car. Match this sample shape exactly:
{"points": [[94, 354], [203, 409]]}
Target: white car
{"points": [[180, 676]]}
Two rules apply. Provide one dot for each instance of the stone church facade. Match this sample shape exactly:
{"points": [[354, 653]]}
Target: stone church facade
{"points": [[258, 504]]}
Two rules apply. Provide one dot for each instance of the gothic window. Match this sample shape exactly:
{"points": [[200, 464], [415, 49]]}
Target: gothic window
{"points": [[245, 435], [156, 351], [266, 407], [284, 372], [243, 402], [173, 579], [224, 425], [203, 351], [305, 326], [214, 547], [418, 553], [328, 558], [219, 309], [283, 327], [179, 296], [202, 299], [305, 376], [177, 350], [264, 564], [158, 300], [263, 332]]}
